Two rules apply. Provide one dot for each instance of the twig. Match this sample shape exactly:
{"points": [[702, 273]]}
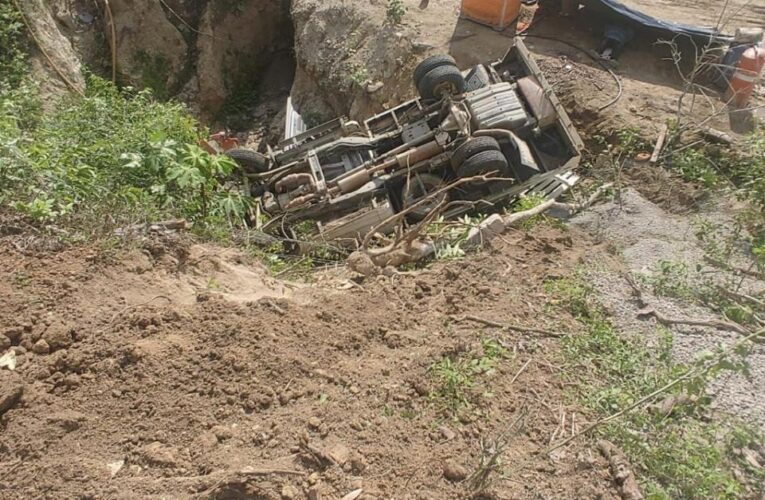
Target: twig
{"points": [[523, 368], [400, 215], [738, 270], [508, 326]]}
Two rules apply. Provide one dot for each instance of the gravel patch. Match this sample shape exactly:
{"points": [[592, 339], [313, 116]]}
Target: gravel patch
{"points": [[646, 235]]}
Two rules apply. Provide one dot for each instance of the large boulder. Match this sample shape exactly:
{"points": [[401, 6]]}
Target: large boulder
{"points": [[353, 60], [151, 51], [57, 48]]}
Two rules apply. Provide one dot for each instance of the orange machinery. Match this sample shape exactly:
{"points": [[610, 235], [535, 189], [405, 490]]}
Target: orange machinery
{"points": [[499, 14], [745, 78]]}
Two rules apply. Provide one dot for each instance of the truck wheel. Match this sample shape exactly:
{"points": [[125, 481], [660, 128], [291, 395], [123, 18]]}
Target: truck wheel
{"points": [[483, 163], [472, 147], [420, 186], [441, 81], [251, 162], [431, 63]]}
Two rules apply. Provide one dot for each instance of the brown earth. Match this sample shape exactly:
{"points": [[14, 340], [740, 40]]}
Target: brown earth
{"points": [[740, 13], [161, 373]]}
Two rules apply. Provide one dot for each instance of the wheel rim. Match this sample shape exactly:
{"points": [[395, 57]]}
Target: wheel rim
{"points": [[445, 88]]}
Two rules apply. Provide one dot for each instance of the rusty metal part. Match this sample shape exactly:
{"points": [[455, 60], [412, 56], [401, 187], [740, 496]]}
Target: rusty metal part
{"points": [[292, 181], [300, 200]]}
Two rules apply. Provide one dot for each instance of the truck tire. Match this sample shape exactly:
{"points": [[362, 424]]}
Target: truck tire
{"points": [[483, 163], [472, 147], [431, 63], [251, 162], [440, 81]]}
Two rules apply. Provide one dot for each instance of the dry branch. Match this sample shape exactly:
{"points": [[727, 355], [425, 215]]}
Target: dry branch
{"points": [[410, 248], [692, 373], [737, 270], [648, 310], [508, 326], [621, 470]]}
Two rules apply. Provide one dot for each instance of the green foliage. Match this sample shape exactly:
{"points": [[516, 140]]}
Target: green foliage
{"points": [[455, 377], [13, 45], [155, 72], [395, 11], [740, 169], [119, 151], [680, 453], [359, 74]]}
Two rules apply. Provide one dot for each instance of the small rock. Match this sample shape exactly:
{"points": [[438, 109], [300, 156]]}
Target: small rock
{"points": [[13, 334], [9, 360], [115, 467], [454, 472], [207, 440], [314, 423], [288, 492], [313, 478], [373, 87], [5, 342], [354, 389], [160, 454], [222, 432], [339, 453], [447, 433], [41, 347], [11, 390], [314, 493], [72, 380], [59, 336]]}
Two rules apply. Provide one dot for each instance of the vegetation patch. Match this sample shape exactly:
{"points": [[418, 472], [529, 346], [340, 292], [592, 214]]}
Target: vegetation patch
{"points": [[678, 450], [456, 378]]}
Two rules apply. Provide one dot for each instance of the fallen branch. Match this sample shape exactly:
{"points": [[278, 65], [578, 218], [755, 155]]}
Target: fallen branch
{"points": [[738, 270], [165, 225], [621, 470], [693, 372], [508, 326], [648, 310]]}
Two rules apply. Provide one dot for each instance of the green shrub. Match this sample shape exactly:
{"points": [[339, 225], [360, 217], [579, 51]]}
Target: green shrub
{"points": [[13, 60], [396, 11], [120, 150]]}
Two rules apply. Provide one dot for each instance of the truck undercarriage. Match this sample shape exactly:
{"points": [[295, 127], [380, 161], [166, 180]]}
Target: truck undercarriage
{"points": [[474, 140]]}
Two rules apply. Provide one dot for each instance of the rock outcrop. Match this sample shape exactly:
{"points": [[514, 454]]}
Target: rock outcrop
{"points": [[151, 51]]}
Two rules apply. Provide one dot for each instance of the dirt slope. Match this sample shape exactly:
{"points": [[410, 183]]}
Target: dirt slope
{"points": [[163, 382]]}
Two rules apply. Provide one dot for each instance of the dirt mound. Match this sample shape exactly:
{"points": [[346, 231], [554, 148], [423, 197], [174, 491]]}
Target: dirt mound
{"points": [[334, 389]]}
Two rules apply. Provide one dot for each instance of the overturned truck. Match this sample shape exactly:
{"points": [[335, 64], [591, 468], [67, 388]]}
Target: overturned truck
{"points": [[474, 140]]}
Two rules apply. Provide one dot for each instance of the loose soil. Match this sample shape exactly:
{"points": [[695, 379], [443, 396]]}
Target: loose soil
{"points": [[168, 376]]}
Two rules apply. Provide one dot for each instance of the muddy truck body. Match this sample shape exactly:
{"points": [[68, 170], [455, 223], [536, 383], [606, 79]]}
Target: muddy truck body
{"points": [[493, 133]]}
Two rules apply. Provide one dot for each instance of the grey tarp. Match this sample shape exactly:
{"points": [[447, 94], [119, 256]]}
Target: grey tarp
{"points": [[618, 11]]}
